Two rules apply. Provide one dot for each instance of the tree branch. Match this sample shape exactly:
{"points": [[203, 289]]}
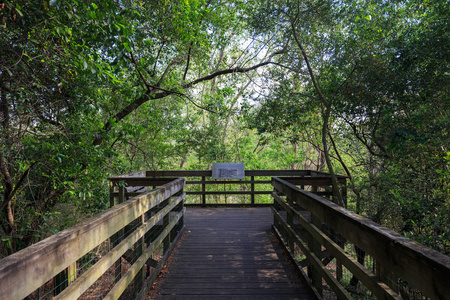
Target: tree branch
{"points": [[17, 186], [6, 88], [339, 156], [166, 71], [147, 85], [308, 65], [230, 71], [188, 61], [151, 95]]}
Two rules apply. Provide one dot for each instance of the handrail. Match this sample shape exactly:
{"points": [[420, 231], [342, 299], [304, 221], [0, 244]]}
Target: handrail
{"points": [[27, 270], [321, 228], [256, 182]]}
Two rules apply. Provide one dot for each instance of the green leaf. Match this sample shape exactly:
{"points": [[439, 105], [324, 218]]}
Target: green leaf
{"points": [[19, 12], [127, 47], [9, 72]]}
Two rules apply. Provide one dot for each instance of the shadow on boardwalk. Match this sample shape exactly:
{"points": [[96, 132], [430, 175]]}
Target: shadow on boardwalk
{"points": [[230, 253]]}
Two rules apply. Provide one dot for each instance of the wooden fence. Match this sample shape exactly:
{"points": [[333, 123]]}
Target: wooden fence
{"points": [[341, 254], [131, 232], [331, 241], [199, 183]]}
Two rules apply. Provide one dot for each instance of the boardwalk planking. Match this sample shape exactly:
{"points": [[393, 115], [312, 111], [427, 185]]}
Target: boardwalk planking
{"points": [[229, 253]]}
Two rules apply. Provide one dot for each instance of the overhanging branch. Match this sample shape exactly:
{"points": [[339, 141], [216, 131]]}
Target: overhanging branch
{"points": [[152, 95], [230, 71]]}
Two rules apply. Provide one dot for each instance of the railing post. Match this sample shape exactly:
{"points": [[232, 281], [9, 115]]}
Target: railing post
{"points": [[166, 242], [339, 270], [112, 198], [203, 190], [117, 238], [290, 222], [139, 247], [63, 279], [338, 238], [181, 208], [72, 272], [315, 247], [252, 189], [344, 191]]}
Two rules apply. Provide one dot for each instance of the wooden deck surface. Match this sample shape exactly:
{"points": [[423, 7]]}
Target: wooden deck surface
{"points": [[229, 253]]}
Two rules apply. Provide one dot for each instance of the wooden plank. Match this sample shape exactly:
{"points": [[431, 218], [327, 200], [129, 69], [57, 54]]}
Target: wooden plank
{"points": [[229, 193], [315, 262], [229, 181], [134, 174], [229, 252], [239, 276], [313, 173], [208, 173], [92, 274], [233, 291], [319, 181], [32, 267], [143, 181], [380, 289], [149, 181], [180, 173], [120, 287], [422, 267], [158, 267], [239, 297], [238, 284]]}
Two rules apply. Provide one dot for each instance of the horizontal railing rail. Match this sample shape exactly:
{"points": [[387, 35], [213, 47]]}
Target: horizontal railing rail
{"points": [[257, 182], [353, 255], [122, 240]]}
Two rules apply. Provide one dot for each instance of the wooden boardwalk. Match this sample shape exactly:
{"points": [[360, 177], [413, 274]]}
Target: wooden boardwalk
{"points": [[229, 253]]}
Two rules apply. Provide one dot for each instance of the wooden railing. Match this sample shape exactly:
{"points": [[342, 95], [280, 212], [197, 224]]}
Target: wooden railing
{"points": [[202, 190], [355, 256], [113, 250]]}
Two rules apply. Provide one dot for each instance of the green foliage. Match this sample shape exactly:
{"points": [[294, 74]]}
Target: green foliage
{"points": [[384, 66], [93, 89]]}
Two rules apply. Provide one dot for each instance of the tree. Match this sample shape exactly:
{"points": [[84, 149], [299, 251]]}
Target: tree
{"points": [[74, 72], [367, 66]]}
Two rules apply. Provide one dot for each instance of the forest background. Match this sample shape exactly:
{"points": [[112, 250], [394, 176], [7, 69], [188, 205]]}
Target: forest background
{"points": [[91, 89]]}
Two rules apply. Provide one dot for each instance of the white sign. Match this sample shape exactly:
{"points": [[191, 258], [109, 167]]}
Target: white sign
{"points": [[228, 171]]}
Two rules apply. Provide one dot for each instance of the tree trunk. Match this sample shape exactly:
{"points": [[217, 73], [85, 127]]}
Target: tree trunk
{"points": [[337, 197]]}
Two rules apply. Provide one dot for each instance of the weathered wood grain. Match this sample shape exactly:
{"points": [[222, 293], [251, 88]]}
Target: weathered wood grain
{"points": [[318, 269], [26, 270], [91, 275], [120, 287], [422, 267], [258, 186], [380, 290], [229, 253]]}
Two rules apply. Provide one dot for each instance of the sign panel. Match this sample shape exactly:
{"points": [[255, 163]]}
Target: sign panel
{"points": [[228, 171]]}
